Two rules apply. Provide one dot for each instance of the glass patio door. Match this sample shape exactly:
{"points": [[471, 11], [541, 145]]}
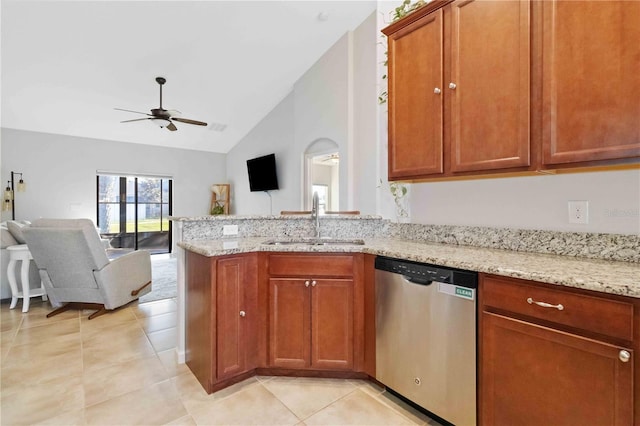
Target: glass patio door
{"points": [[133, 212]]}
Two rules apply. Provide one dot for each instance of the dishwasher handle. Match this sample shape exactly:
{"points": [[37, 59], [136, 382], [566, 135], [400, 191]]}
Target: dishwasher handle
{"points": [[415, 280]]}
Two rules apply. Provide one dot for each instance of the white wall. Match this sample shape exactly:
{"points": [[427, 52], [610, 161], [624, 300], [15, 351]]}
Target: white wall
{"points": [[365, 174], [535, 202], [321, 100], [274, 134], [336, 100], [60, 172]]}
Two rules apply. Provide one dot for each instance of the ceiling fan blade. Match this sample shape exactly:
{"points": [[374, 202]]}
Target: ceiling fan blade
{"points": [[171, 127], [135, 119], [186, 120], [137, 112]]}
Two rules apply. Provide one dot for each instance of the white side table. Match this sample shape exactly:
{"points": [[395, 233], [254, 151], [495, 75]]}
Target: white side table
{"points": [[21, 252]]}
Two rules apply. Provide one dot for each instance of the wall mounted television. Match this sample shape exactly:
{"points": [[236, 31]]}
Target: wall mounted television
{"points": [[262, 173]]}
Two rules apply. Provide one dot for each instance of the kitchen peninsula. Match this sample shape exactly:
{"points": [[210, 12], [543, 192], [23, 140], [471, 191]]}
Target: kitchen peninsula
{"points": [[279, 286]]}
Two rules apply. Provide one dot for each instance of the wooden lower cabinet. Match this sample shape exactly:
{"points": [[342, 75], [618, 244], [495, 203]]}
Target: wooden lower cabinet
{"points": [[311, 323], [316, 314], [539, 369], [222, 315]]}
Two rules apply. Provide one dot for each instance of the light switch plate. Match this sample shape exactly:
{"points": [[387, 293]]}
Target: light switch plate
{"points": [[230, 230], [579, 212]]}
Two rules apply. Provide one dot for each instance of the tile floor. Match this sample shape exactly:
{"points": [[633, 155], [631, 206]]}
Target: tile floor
{"points": [[121, 369]]}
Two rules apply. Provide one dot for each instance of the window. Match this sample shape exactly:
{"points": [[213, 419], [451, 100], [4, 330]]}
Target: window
{"points": [[133, 212]]}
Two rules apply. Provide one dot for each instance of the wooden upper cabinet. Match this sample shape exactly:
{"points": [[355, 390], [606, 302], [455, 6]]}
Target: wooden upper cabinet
{"points": [[489, 84], [591, 83], [415, 67]]}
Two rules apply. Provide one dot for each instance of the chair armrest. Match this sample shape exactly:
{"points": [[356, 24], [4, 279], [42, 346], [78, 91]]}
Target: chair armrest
{"points": [[123, 275]]}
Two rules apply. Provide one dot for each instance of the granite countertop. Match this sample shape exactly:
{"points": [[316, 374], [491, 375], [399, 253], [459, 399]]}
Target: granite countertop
{"points": [[621, 278], [305, 217]]}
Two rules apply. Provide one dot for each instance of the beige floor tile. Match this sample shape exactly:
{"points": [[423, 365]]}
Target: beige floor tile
{"points": [[252, 406], [110, 382], [70, 418], [164, 339], [368, 387], [106, 321], [35, 352], [159, 322], [305, 396], [42, 402], [169, 360], [405, 409], [10, 323], [155, 308], [357, 408], [153, 405], [47, 332], [118, 331], [38, 316], [183, 421], [192, 394], [7, 337], [17, 377], [100, 354]]}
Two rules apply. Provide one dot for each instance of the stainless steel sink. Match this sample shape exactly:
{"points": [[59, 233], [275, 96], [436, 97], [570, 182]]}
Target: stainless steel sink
{"points": [[315, 242]]}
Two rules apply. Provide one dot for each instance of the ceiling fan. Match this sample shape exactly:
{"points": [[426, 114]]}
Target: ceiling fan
{"points": [[163, 117]]}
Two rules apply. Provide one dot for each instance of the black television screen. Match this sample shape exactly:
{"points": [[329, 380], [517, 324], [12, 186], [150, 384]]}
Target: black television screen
{"points": [[262, 173]]}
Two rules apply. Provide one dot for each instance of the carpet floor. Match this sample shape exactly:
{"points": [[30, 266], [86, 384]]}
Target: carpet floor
{"points": [[164, 284]]}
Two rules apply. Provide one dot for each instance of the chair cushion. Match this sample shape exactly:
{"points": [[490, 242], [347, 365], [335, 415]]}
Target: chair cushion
{"points": [[15, 228], [7, 238]]}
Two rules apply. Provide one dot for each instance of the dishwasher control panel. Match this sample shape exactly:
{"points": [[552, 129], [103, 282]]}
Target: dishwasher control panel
{"points": [[427, 272]]}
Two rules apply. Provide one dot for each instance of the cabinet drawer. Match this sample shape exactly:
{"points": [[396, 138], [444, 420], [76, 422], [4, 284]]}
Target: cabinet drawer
{"points": [[315, 265], [593, 314]]}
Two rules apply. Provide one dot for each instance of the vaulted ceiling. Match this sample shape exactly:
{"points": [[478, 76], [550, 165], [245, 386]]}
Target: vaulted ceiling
{"points": [[67, 64]]}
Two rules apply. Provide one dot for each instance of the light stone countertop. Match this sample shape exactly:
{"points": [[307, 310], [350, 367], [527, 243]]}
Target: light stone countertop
{"points": [[621, 278]]}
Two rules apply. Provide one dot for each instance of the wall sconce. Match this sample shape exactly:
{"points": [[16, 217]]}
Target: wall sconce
{"points": [[9, 194]]}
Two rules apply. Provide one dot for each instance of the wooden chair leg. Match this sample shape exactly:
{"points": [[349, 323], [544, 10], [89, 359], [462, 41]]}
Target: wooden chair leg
{"points": [[135, 292], [60, 310], [97, 313], [76, 305]]}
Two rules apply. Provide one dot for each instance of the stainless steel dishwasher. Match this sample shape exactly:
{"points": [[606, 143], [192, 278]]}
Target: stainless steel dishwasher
{"points": [[426, 336]]}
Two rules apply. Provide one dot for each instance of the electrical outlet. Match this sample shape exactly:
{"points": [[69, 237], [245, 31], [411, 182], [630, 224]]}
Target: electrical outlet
{"points": [[230, 230], [579, 212]]}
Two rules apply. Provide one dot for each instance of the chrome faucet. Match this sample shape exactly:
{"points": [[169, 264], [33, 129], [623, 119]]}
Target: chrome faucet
{"points": [[315, 213]]}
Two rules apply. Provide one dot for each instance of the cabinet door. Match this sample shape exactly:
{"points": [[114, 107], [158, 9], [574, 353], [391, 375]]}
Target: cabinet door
{"points": [[533, 375], [289, 323], [591, 89], [332, 324], [489, 84], [415, 66], [231, 317]]}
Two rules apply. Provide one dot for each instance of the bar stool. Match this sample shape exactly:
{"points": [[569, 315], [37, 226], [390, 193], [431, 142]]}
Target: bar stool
{"points": [[21, 253]]}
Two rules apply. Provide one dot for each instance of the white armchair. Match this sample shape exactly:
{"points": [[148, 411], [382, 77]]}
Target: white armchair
{"points": [[75, 269]]}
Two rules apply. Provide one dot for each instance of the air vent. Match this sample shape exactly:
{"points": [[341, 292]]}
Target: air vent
{"points": [[217, 127]]}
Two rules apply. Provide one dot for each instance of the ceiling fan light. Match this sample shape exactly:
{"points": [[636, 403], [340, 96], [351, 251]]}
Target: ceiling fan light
{"points": [[160, 122]]}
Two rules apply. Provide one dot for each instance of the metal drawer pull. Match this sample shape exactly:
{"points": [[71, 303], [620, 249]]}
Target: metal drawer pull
{"points": [[545, 304], [306, 283], [313, 283], [624, 356], [243, 314], [437, 91], [452, 86]]}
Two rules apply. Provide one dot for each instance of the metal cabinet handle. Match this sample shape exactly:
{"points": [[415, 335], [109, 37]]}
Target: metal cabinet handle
{"points": [[243, 314], [313, 283], [624, 356], [452, 86], [545, 304], [306, 283], [437, 91]]}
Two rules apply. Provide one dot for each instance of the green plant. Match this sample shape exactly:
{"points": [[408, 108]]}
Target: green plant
{"points": [[217, 209], [405, 8]]}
